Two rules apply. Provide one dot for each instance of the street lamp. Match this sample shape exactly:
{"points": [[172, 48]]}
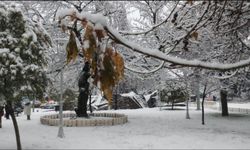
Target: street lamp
{"points": [[60, 131]]}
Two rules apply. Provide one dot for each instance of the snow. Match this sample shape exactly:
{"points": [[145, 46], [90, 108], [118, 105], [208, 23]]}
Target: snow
{"points": [[12, 56], [34, 37], [146, 72], [130, 94], [147, 97], [25, 87], [95, 18], [236, 105], [98, 101], [64, 12], [4, 50], [13, 72], [98, 26], [86, 44], [148, 128], [31, 67], [17, 49]]}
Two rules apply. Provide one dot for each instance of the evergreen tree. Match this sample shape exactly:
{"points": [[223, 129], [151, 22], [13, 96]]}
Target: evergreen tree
{"points": [[22, 58]]}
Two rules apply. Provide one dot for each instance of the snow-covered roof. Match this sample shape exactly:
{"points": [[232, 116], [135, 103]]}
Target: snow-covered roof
{"points": [[135, 97], [147, 97], [130, 94]]}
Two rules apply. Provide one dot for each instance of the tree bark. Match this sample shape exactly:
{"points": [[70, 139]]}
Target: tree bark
{"points": [[1, 114], [223, 97], [90, 107], [0, 121], [83, 85], [202, 105], [11, 111], [197, 89], [187, 111], [116, 95], [173, 105]]}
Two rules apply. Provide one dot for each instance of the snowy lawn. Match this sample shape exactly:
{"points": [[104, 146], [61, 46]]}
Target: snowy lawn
{"points": [[147, 129]]}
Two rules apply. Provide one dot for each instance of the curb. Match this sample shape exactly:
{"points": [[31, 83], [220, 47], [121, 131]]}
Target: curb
{"points": [[114, 119]]}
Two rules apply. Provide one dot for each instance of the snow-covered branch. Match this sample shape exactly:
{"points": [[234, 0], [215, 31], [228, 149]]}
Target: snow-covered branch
{"points": [[153, 27], [226, 76], [101, 20], [175, 60], [146, 72]]}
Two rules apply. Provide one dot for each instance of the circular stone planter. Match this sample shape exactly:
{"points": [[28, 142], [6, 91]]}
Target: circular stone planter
{"points": [[102, 119]]}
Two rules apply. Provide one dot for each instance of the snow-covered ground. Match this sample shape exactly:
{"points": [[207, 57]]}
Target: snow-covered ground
{"points": [[148, 128], [240, 105]]}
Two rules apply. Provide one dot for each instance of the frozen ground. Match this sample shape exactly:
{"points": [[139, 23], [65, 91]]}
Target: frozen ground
{"points": [[146, 129]]}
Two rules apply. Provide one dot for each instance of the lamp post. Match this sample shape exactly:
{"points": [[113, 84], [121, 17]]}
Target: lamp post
{"points": [[60, 131], [187, 100]]}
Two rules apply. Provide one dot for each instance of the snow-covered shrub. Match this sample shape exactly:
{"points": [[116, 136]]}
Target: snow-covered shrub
{"points": [[174, 92]]}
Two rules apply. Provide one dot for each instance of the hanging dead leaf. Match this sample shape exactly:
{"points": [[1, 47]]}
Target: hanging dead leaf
{"points": [[71, 48], [190, 2], [107, 75], [108, 93], [194, 35], [108, 72], [100, 34], [64, 28], [118, 66], [84, 23], [73, 16], [89, 43]]}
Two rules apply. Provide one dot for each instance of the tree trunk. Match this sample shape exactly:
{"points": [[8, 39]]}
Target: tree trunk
{"points": [[83, 85], [33, 106], [11, 111], [197, 89], [0, 121], [116, 97], [223, 97], [90, 107], [173, 105], [7, 113], [1, 114], [187, 111], [202, 105]]}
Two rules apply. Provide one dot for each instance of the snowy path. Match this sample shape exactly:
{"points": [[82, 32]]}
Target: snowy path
{"points": [[146, 129]]}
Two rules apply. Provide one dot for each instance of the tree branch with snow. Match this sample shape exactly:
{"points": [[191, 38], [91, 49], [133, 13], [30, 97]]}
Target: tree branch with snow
{"points": [[118, 38]]}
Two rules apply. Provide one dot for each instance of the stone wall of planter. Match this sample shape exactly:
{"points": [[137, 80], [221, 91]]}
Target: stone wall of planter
{"points": [[72, 121]]}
